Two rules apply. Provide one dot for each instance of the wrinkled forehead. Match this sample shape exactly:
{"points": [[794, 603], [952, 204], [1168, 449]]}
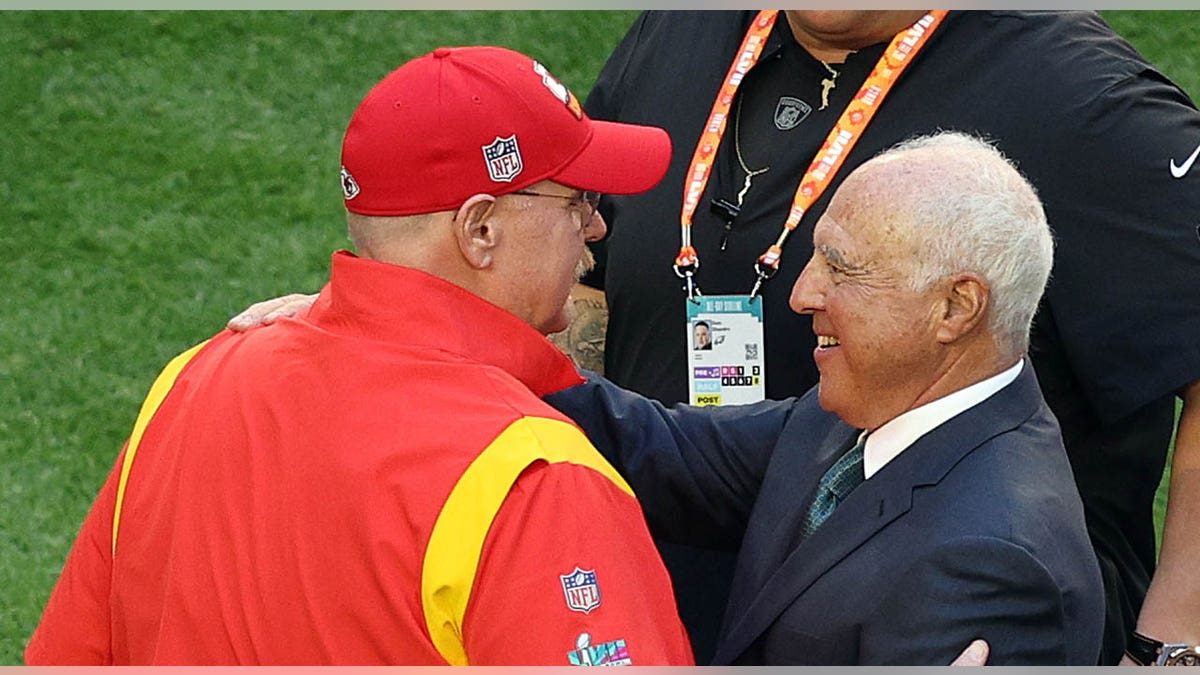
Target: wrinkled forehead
{"points": [[868, 236], [861, 211]]}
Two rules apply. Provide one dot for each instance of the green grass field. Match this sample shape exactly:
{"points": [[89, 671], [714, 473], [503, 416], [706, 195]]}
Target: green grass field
{"points": [[161, 170]]}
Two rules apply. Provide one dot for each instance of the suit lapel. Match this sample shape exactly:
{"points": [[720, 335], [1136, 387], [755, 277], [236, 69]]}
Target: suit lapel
{"points": [[874, 504], [868, 508], [774, 524]]}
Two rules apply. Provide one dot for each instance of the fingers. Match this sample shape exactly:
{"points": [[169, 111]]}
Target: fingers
{"points": [[269, 311], [975, 654]]}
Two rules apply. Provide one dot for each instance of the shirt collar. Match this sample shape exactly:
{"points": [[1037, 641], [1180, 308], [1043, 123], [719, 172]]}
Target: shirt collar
{"points": [[888, 441], [406, 306]]}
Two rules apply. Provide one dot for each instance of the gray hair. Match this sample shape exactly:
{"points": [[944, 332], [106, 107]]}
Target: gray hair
{"points": [[973, 211]]}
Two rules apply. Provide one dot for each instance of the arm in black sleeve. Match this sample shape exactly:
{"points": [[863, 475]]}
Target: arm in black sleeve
{"points": [[1127, 265]]}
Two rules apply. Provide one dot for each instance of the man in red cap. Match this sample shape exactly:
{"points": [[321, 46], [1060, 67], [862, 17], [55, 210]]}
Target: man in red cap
{"points": [[377, 480]]}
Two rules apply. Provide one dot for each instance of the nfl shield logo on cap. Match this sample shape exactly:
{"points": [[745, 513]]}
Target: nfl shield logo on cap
{"points": [[581, 590], [503, 159]]}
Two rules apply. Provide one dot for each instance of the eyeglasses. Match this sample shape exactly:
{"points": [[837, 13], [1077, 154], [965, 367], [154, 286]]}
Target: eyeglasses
{"points": [[583, 204]]}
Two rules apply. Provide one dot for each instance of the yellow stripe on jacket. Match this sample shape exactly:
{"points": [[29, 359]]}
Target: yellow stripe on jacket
{"points": [[452, 557], [158, 393]]}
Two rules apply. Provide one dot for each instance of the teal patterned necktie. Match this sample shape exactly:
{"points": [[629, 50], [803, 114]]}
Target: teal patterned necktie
{"points": [[834, 487]]}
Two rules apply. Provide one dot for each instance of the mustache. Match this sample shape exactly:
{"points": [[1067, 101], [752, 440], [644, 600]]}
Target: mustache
{"points": [[587, 262]]}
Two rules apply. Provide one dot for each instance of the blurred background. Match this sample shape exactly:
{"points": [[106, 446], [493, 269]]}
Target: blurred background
{"points": [[159, 171]]}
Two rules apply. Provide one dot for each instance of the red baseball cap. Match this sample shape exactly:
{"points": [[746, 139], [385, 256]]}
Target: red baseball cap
{"points": [[468, 120]]}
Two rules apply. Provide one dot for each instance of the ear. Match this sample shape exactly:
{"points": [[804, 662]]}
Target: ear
{"points": [[477, 231], [964, 307]]}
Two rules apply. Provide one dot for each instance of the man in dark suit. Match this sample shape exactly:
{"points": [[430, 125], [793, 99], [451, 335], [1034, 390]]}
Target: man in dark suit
{"points": [[920, 496]]}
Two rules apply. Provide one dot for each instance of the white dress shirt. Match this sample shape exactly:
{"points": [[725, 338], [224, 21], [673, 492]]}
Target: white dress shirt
{"points": [[888, 441]]}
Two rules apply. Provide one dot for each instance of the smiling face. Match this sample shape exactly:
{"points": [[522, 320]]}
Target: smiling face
{"points": [[877, 345]]}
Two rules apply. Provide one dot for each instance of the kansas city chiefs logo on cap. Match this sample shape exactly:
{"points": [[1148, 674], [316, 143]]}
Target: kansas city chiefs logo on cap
{"points": [[559, 90], [350, 187]]}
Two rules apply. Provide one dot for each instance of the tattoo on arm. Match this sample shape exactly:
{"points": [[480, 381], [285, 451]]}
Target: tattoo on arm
{"points": [[583, 340]]}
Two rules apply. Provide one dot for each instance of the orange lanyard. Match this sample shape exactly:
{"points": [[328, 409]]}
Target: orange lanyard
{"points": [[829, 159]]}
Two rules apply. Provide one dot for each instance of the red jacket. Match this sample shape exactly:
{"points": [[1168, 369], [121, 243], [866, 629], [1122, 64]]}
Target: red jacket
{"points": [[375, 482]]}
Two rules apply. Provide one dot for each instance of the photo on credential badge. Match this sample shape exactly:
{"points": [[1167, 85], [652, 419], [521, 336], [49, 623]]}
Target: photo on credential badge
{"points": [[725, 337]]}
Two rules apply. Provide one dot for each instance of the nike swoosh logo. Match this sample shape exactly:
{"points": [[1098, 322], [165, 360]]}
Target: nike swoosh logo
{"points": [[1181, 170]]}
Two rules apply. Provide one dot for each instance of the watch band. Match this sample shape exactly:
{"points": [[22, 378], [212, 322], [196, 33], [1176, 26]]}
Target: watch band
{"points": [[1142, 650], [1146, 651]]}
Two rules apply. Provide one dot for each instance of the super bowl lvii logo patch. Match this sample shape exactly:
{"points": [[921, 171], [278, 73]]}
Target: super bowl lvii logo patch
{"points": [[503, 159], [581, 590], [614, 653]]}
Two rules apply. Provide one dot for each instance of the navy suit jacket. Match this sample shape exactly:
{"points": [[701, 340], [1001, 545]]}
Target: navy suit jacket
{"points": [[976, 530]]}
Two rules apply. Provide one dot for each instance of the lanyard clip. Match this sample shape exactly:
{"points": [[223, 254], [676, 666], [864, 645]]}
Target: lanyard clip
{"points": [[686, 264], [688, 274], [757, 285], [692, 288], [765, 267]]}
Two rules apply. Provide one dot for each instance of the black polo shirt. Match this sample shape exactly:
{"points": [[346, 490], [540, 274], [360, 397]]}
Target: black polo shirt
{"points": [[1092, 124]]}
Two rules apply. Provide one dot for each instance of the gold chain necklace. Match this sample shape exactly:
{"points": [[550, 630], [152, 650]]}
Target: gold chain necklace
{"points": [[726, 211], [737, 147], [828, 84]]}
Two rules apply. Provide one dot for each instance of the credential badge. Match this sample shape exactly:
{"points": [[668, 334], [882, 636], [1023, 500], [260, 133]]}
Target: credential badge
{"points": [[581, 590], [789, 112], [503, 159], [350, 187]]}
